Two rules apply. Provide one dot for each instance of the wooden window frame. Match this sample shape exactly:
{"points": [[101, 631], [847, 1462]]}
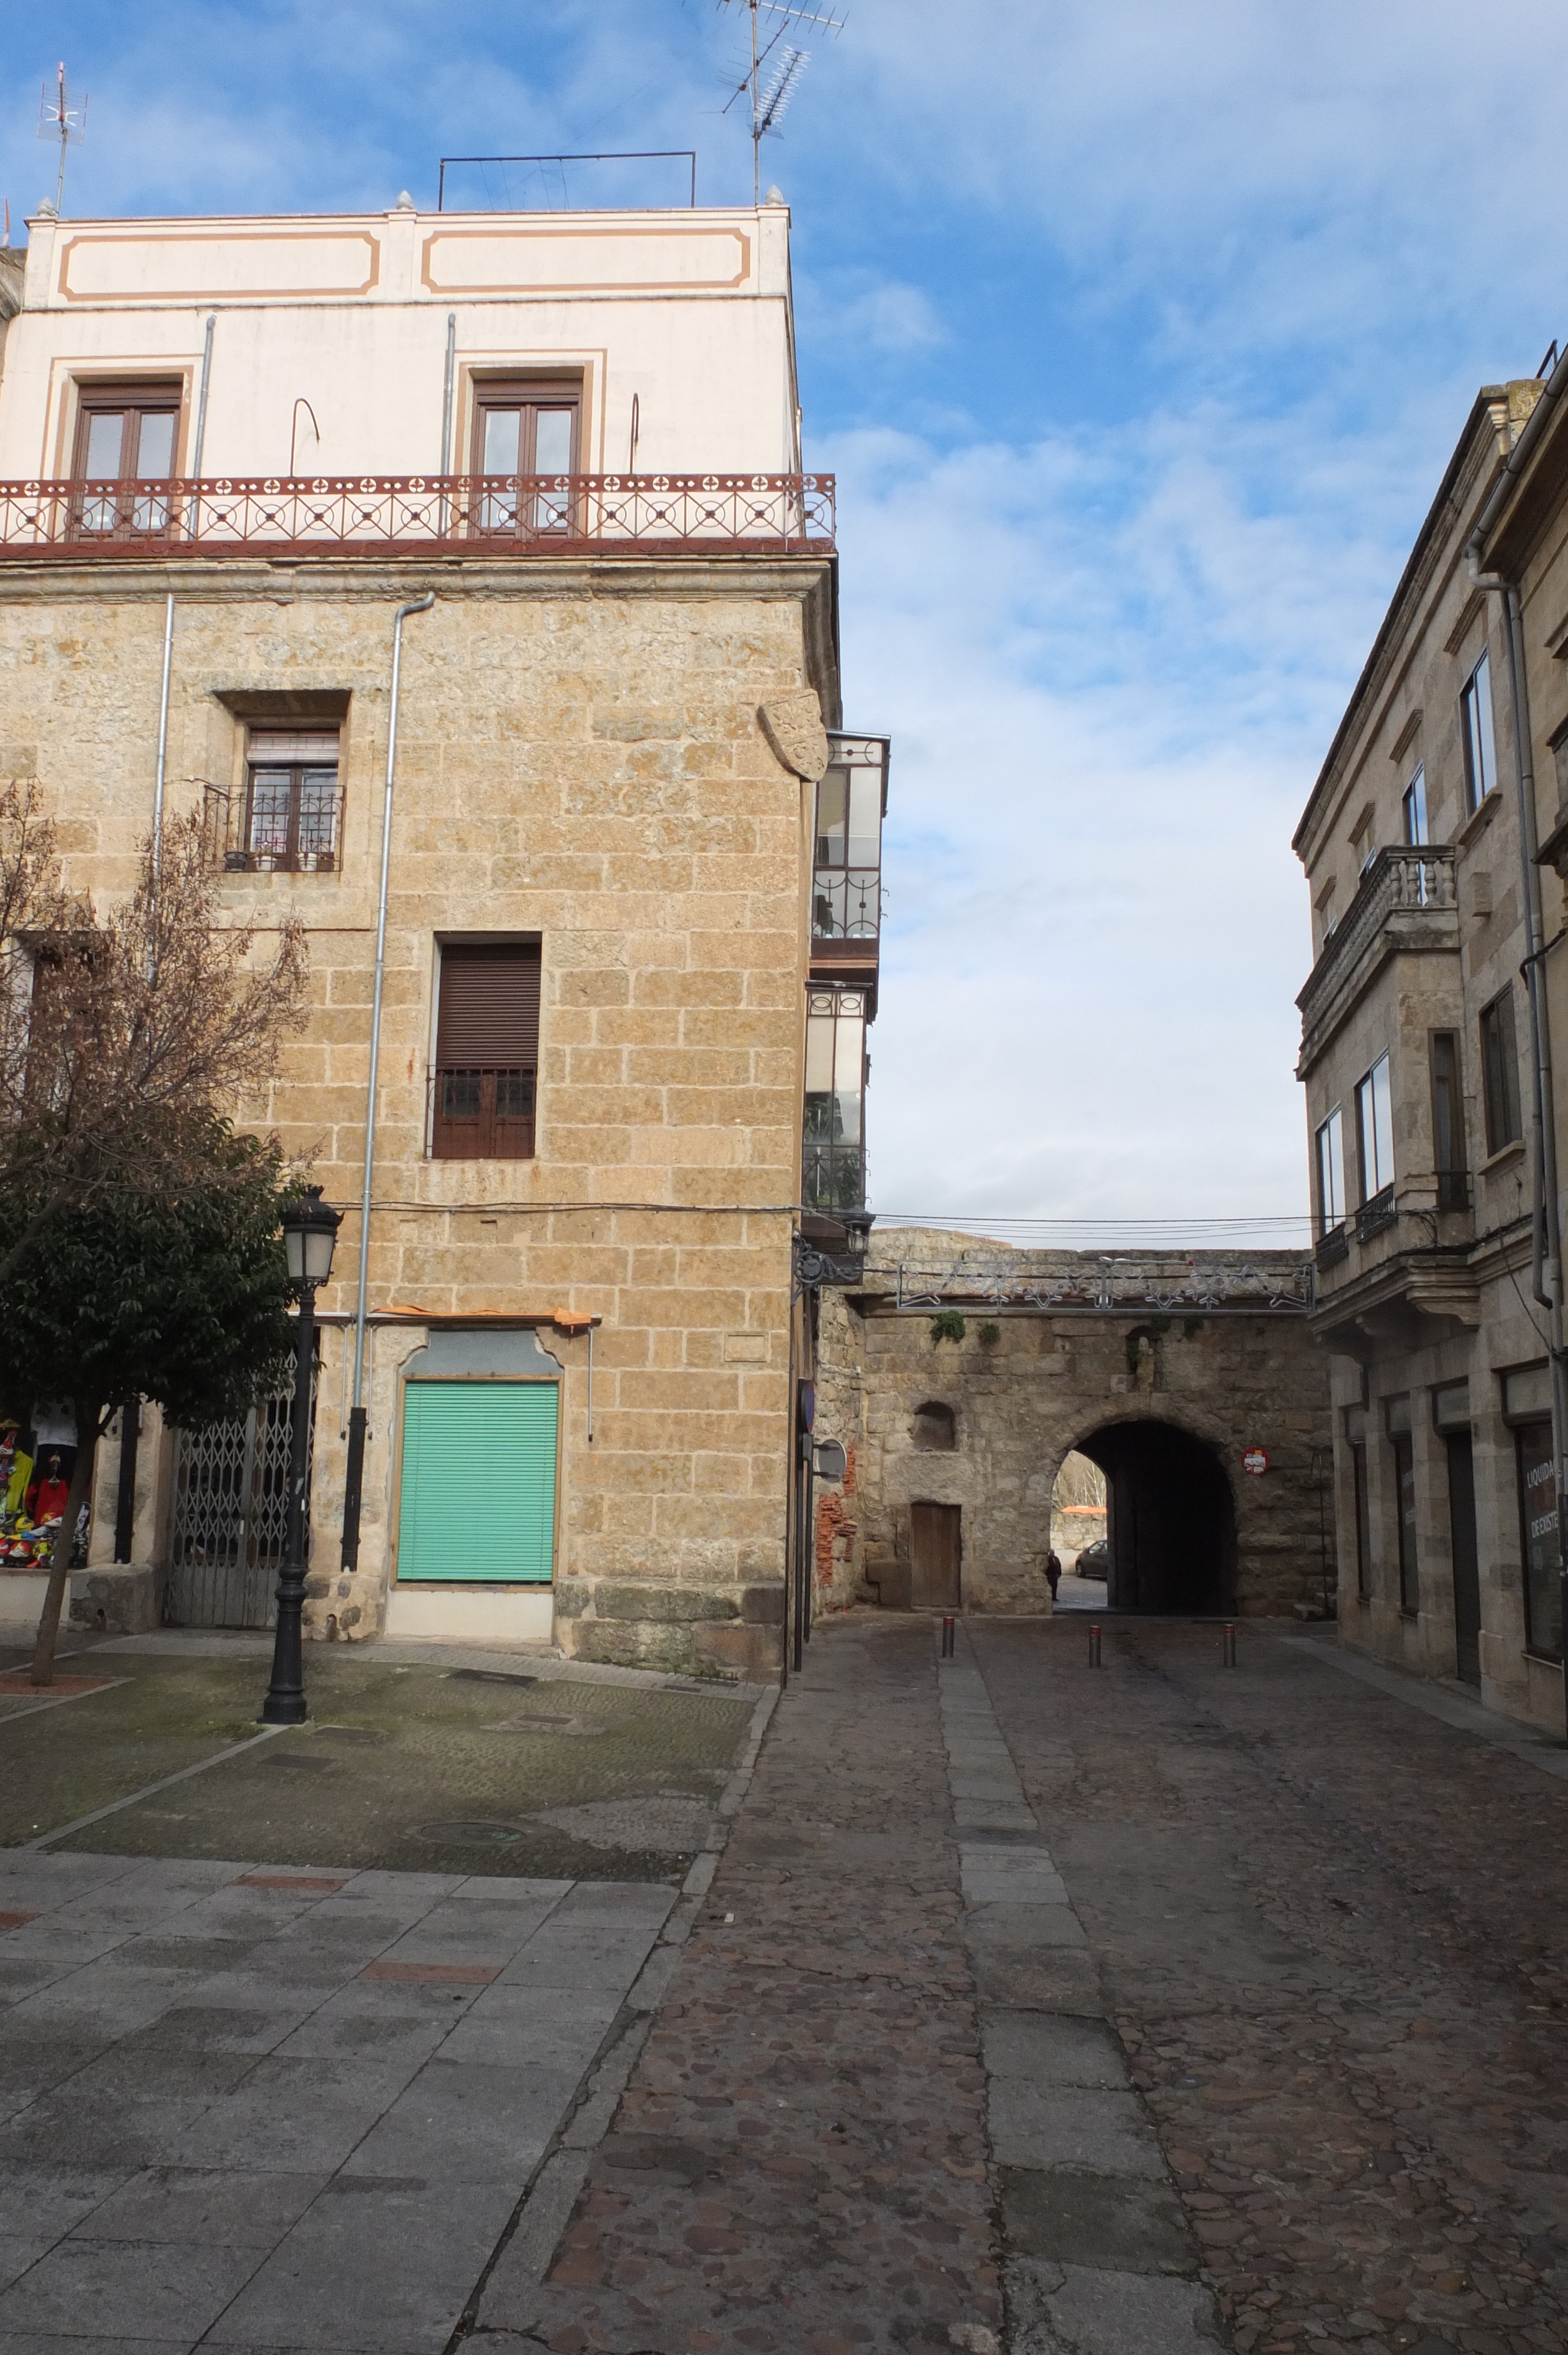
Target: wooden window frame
{"points": [[1499, 1073], [1450, 1159], [484, 1107], [1479, 744], [126, 514]]}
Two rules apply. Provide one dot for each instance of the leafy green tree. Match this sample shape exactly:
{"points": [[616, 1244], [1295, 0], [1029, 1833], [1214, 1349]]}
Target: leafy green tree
{"points": [[177, 1294]]}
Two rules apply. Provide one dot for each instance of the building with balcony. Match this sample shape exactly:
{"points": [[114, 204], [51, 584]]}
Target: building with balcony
{"points": [[1425, 1054], [632, 871]]}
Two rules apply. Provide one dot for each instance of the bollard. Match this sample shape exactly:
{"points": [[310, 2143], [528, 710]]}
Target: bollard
{"points": [[1228, 1647], [1094, 1648], [947, 1638]]}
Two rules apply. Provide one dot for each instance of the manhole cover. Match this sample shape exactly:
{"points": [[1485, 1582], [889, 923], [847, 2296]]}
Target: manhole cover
{"points": [[491, 1677], [477, 1835]]}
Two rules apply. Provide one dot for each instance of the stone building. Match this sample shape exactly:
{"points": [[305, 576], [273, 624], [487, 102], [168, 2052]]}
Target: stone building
{"points": [[960, 1374], [630, 898], [1429, 843]]}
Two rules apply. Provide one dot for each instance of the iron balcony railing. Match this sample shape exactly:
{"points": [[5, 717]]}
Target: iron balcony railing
{"points": [[1333, 1247], [368, 515], [846, 903], [1378, 1212], [482, 1113]]}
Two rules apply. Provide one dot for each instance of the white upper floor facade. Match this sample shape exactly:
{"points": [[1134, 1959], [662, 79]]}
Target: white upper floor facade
{"points": [[377, 345]]}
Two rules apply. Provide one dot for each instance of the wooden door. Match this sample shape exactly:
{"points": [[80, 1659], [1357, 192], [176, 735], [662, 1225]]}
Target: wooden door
{"points": [[1466, 1562], [936, 1549]]}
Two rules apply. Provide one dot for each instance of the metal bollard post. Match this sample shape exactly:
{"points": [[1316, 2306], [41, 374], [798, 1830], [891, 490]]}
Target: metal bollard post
{"points": [[947, 1638], [1094, 1648], [1228, 1647]]}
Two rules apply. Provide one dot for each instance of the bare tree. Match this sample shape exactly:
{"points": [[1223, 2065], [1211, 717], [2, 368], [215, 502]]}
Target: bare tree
{"points": [[128, 1044], [123, 1036]]}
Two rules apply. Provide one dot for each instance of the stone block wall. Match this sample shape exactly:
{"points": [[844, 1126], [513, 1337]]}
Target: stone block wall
{"points": [[580, 760], [1046, 1383]]}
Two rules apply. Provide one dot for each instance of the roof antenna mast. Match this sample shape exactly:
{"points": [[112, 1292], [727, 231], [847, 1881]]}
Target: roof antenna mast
{"points": [[769, 98], [58, 119]]}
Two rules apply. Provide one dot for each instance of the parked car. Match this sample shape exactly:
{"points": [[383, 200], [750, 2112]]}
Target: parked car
{"points": [[1094, 1561]]}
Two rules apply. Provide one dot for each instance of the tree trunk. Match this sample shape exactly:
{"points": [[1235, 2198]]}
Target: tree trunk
{"points": [[87, 1428]]}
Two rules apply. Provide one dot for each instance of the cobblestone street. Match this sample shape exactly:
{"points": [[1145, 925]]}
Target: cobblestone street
{"points": [[1139, 2011], [1331, 1933]]}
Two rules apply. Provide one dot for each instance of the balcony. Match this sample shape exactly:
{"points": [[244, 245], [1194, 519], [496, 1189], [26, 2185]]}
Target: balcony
{"points": [[1406, 905], [846, 881], [1376, 1215], [475, 515]]}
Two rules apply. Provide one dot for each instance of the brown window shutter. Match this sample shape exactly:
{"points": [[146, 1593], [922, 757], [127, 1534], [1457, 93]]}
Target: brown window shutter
{"points": [[490, 1006]]}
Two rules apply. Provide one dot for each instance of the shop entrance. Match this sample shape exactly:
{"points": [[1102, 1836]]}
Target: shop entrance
{"points": [[229, 1522], [1170, 1523]]}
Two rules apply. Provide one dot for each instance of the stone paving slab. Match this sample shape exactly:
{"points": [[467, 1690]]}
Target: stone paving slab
{"points": [[798, 2160], [289, 2151]]}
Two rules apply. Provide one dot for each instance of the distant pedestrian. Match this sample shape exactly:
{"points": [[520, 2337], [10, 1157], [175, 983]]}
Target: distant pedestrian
{"points": [[1052, 1571]]}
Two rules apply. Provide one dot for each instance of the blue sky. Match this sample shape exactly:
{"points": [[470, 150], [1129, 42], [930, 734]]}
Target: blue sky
{"points": [[1137, 336]]}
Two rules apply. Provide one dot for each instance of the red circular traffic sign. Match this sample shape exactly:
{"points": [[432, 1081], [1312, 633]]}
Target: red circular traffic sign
{"points": [[1256, 1461]]}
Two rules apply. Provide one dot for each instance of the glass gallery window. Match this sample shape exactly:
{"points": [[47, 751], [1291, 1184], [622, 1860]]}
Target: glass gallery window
{"points": [[292, 814], [1374, 1129], [846, 899], [1332, 1172], [1476, 734], [833, 1175]]}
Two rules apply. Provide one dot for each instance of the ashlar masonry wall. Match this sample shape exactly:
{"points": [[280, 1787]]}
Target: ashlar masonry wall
{"points": [[580, 759]]}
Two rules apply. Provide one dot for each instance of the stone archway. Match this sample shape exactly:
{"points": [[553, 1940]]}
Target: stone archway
{"points": [[1171, 1518]]}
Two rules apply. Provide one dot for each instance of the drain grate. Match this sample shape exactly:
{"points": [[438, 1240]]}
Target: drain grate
{"points": [[469, 1835]]}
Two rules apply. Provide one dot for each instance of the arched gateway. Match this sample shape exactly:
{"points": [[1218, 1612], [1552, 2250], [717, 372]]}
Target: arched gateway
{"points": [[1194, 1386]]}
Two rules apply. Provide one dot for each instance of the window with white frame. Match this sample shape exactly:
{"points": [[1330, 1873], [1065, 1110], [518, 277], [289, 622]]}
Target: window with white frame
{"points": [[1476, 734], [1374, 1129], [1332, 1172], [1414, 810]]}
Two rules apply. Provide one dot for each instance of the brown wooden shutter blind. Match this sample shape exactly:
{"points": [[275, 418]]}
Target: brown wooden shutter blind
{"points": [[490, 1006]]}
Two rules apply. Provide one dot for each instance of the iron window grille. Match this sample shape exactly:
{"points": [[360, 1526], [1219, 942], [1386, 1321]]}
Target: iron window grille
{"points": [[287, 816]]}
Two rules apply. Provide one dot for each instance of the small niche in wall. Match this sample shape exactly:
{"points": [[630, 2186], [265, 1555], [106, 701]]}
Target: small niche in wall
{"points": [[935, 1430]]}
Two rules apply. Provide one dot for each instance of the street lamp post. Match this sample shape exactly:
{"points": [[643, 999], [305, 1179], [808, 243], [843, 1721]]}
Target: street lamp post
{"points": [[310, 1230]]}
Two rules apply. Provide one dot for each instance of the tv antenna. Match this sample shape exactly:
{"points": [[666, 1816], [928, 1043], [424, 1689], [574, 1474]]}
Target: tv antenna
{"points": [[769, 98], [58, 119]]}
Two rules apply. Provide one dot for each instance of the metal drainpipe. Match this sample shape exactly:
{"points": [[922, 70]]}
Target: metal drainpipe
{"points": [[201, 397], [1545, 1224], [447, 395], [162, 741], [354, 1477]]}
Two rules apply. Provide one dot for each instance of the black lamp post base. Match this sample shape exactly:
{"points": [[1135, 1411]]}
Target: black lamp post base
{"points": [[285, 1709]]}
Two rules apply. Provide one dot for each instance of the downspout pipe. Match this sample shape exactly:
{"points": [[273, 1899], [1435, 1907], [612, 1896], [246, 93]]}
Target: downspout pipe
{"points": [[200, 443], [354, 1479], [1545, 1219], [163, 740]]}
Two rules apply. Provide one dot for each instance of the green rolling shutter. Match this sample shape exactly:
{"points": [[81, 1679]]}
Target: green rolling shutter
{"points": [[479, 1481]]}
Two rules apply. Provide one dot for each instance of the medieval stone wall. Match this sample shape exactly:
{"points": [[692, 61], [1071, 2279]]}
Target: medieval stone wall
{"points": [[1024, 1387]]}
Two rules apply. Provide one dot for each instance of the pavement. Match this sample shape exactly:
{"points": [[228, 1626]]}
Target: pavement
{"points": [[1006, 2003]]}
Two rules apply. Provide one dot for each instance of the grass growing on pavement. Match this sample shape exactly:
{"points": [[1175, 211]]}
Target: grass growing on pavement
{"points": [[407, 1767]]}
